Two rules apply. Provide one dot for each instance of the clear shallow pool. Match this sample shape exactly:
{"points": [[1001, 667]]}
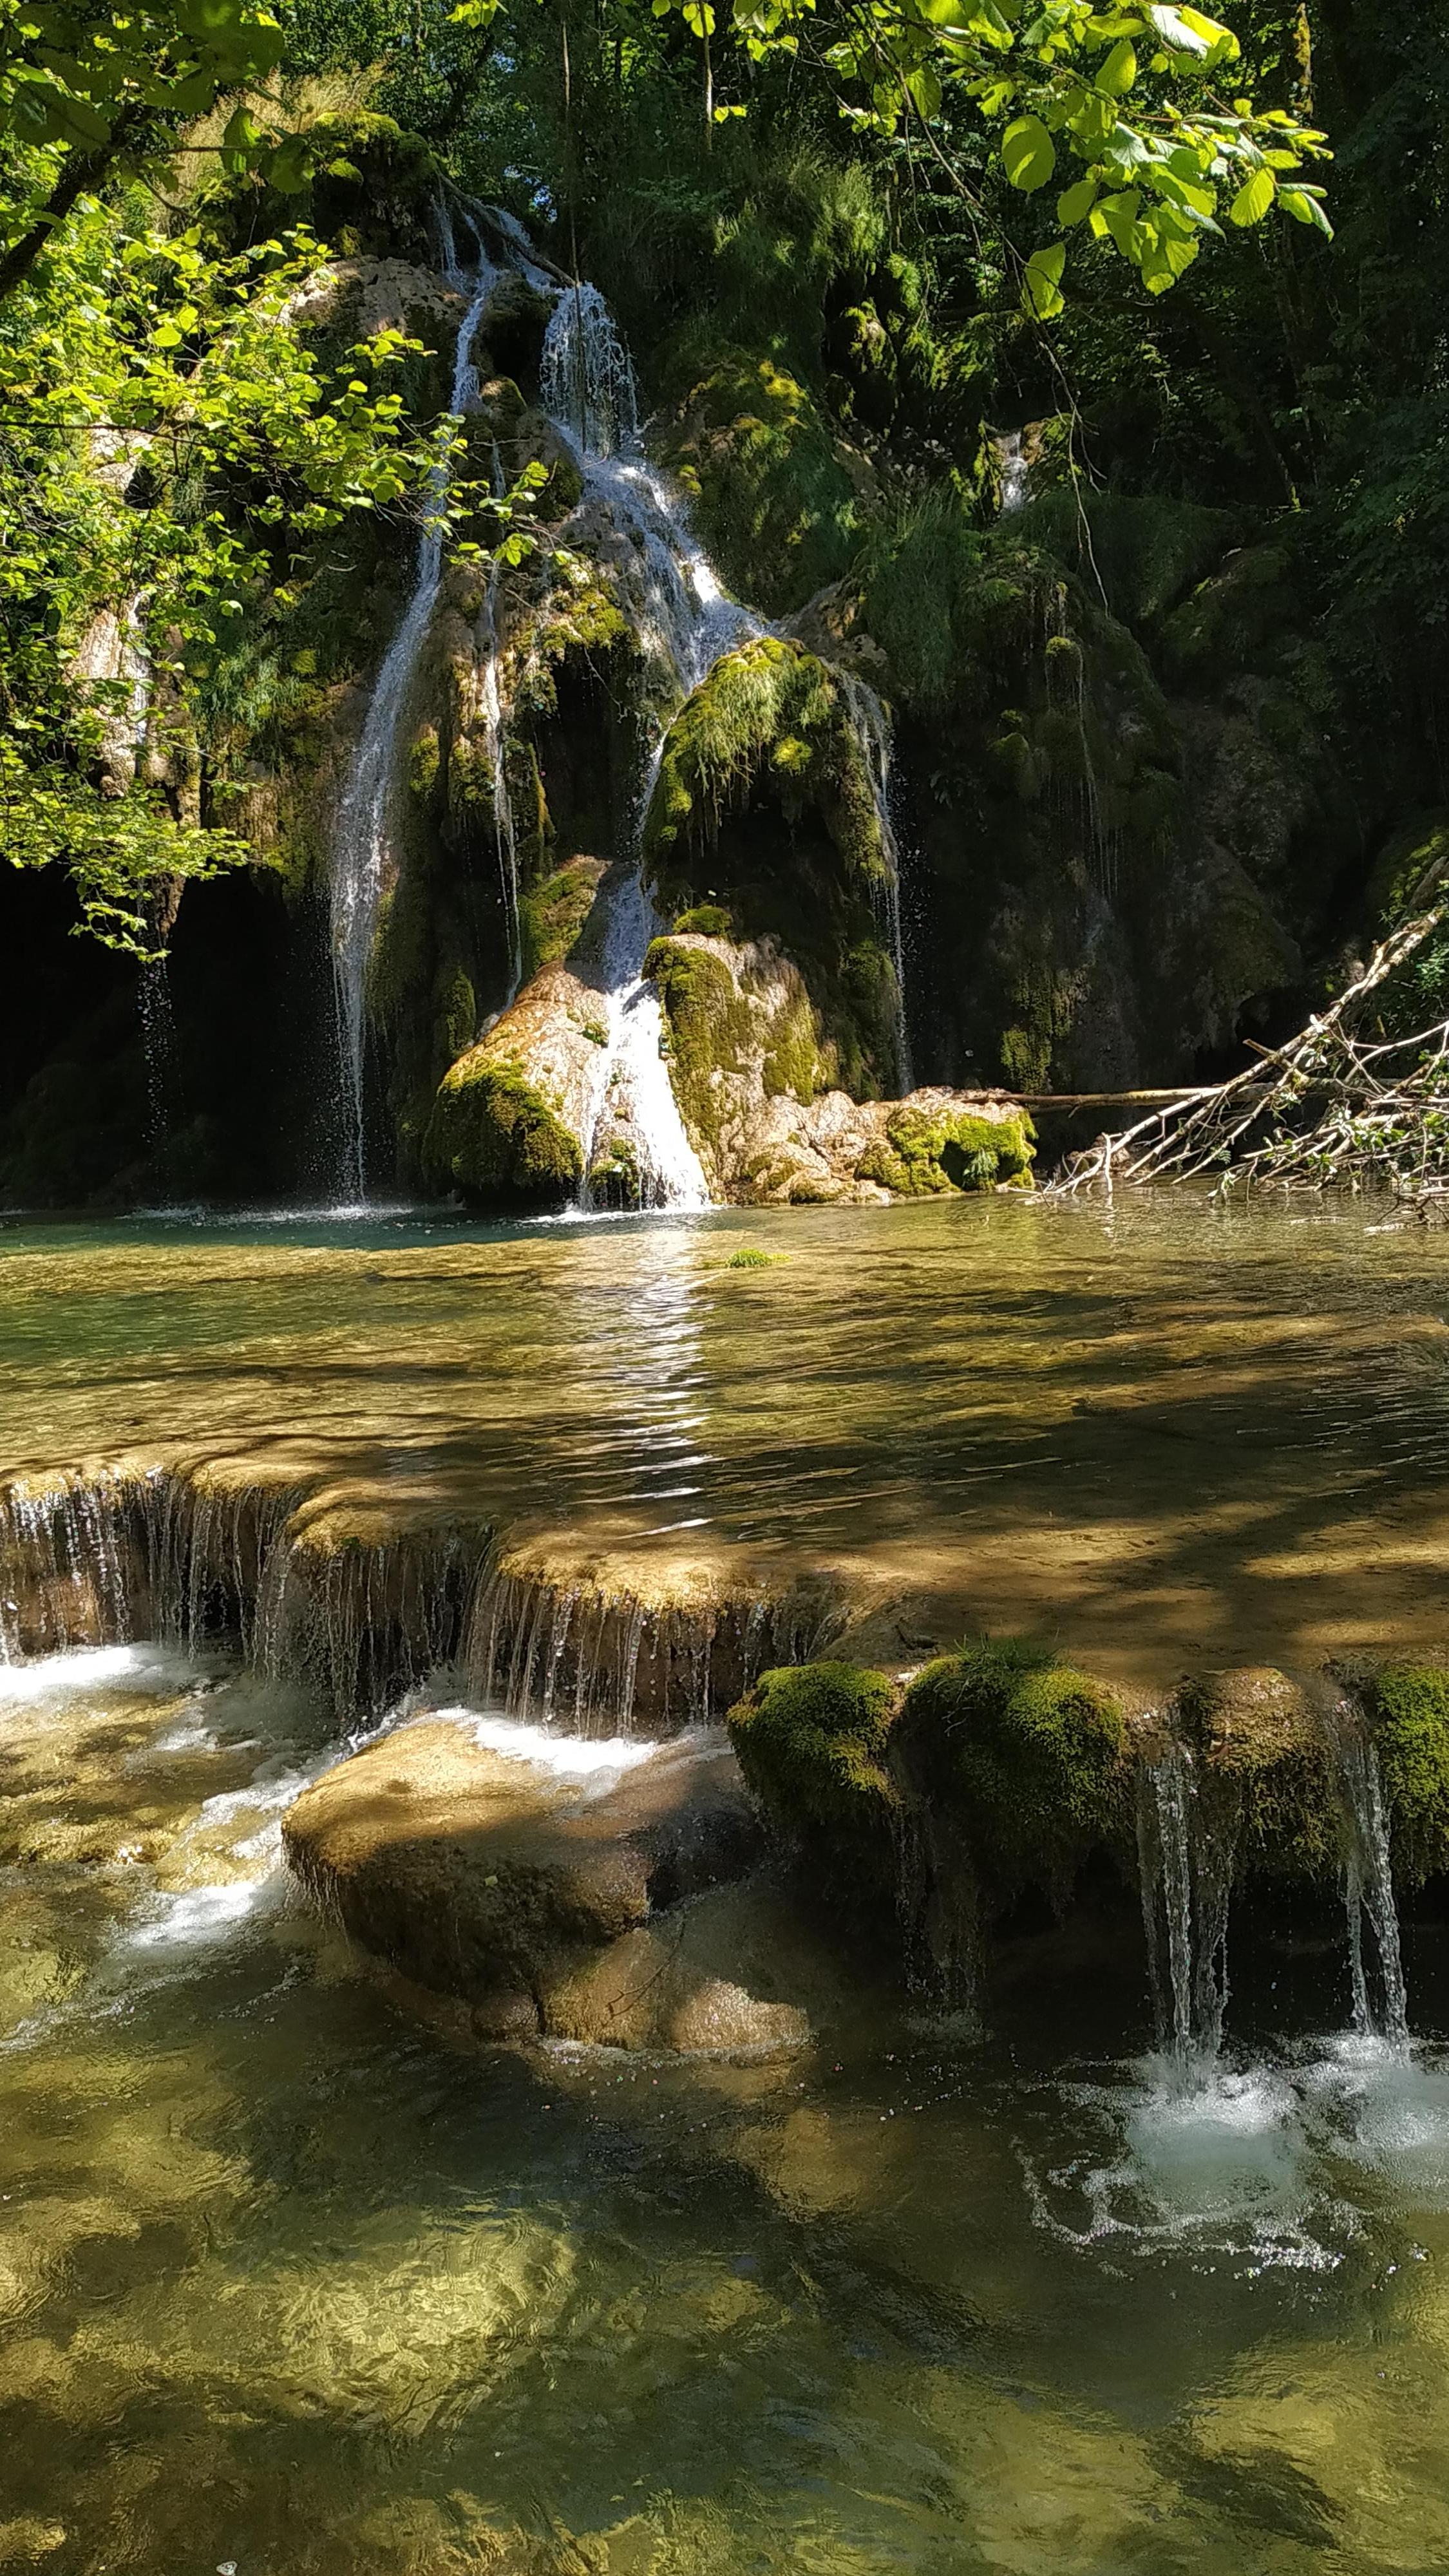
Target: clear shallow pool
{"points": [[287, 2283], [1166, 1432]]}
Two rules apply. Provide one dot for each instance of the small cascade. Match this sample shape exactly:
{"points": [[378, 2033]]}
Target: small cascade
{"points": [[1380, 2009], [360, 852], [1186, 1879], [1014, 471], [586, 378]]}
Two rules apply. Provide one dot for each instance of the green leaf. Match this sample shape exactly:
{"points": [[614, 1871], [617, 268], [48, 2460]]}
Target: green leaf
{"points": [[1303, 205], [1076, 203], [1254, 198], [1041, 289], [1118, 72], [1201, 38], [1028, 154]]}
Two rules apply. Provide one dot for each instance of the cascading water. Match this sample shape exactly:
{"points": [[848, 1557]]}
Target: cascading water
{"points": [[496, 740], [360, 851], [1015, 472], [1186, 1879], [1368, 1886], [873, 733]]}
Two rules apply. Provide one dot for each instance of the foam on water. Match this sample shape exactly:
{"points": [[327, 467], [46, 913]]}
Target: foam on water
{"points": [[594, 1762], [149, 1670]]}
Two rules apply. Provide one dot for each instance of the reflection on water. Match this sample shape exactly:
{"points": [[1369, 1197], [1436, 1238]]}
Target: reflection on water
{"points": [[1173, 1431], [287, 2284]]}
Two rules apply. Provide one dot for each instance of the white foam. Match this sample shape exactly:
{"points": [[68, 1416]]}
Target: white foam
{"points": [[591, 1760], [196, 1914], [148, 1669]]}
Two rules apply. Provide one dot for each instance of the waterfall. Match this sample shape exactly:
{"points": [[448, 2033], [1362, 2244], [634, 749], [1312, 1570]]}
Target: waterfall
{"points": [[1368, 1885], [873, 733], [1186, 1880], [363, 824], [1015, 472]]}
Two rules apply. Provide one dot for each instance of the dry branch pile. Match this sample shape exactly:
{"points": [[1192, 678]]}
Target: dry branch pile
{"points": [[1343, 1103]]}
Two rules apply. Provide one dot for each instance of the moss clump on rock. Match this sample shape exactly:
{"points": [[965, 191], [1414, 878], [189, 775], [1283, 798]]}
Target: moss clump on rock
{"points": [[1029, 1755], [926, 1152], [769, 708], [811, 1741], [552, 914], [705, 921], [1409, 1704], [493, 1134]]}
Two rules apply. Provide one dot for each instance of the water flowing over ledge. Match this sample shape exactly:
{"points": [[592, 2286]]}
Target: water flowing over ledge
{"points": [[105, 1558]]}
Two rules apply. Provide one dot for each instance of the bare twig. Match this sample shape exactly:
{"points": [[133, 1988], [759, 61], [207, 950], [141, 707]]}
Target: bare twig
{"points": [[1331, 1106]]}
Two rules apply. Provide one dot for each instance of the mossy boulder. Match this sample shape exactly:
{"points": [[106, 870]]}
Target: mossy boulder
{"points": [[552, 912], [926, 1152], [1027, 1756], [811, 1740], [778, 500], [1409, 1707], [1266, 1774], [509, 1115]]}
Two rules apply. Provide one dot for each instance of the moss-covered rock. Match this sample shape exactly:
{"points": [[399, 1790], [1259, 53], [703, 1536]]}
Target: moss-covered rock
{"points": [[925, 1152], [508, 1119], [1028, 1756], [779, 501], [1266, 1773], [552, 912], [811, 1740], [1409, 1708]]}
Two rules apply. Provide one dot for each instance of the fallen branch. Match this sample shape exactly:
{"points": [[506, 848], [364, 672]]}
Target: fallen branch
{"points": [[1331, 1106]]}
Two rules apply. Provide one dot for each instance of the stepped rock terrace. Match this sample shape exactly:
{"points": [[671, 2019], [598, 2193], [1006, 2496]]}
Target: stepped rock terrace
{"points": [[611, 1467]]}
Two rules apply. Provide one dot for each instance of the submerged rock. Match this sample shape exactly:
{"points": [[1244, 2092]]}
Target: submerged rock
{"points": [[560, 1890]]}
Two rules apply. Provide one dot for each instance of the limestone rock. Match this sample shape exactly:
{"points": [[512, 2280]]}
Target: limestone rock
{"points": [[510, 1116], [544, 1900], [752, 1078]]}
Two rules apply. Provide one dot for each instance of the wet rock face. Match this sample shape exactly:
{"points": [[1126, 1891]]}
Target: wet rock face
{"points": [[754, 1075], [570, 1902], [510, 1115]]}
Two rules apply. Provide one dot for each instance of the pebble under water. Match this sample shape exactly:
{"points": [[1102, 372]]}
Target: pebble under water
{"points": [[290, 2282]]}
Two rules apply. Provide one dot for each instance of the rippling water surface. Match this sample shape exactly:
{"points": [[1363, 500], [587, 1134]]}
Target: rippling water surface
{"points": [[288, 2284], [1166, 1430]]}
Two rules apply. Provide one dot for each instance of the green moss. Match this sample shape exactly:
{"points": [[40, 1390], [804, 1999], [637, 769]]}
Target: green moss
{"points": [[705, 921], [750, 1257], [493, 1135], [1409, 1704], [710, 1027], [928, 1152], [770, 706], [552, 913], [811, 1741], [457, 1015], [1266, 1779], [776, 499], [1028, 1754], [423, 758]]}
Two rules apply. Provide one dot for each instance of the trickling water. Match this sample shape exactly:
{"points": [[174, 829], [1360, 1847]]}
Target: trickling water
{"points": [[1015, 472], [869, 719], [158, 1040], [1186, 1880], [495, 732], [363, 828], [1368, 1887], [586, 376]]}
